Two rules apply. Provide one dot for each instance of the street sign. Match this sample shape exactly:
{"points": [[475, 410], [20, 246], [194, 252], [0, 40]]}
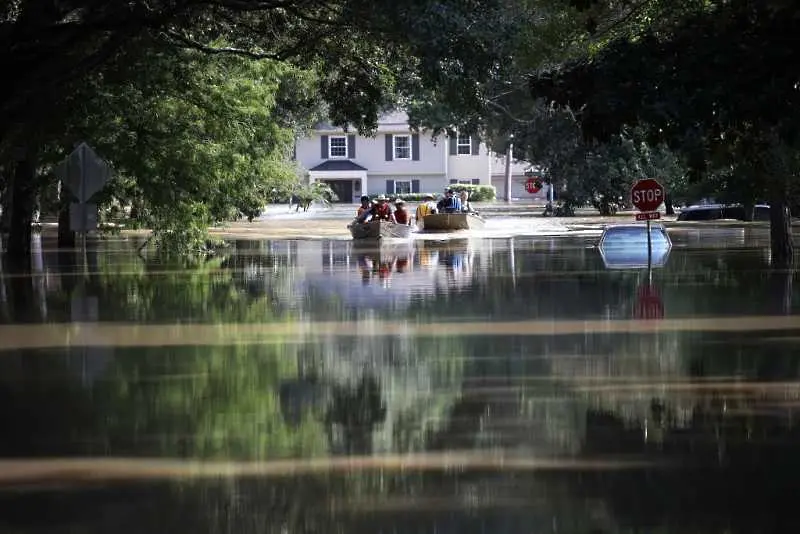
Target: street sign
{"points": [[651, 216], [533, 186], [82, 217], [647, 195], [648, 304], [82, 174]]}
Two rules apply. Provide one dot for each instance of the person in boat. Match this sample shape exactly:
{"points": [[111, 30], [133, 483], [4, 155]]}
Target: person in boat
{"points": [[426, 207], [382, 210], [365, 207], [450, 203], [466, 205], [366, 213], [401, 215]]}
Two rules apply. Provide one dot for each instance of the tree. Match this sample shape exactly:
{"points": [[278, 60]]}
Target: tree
{"points": [[196, 138], [719, 77], [363, 54]]}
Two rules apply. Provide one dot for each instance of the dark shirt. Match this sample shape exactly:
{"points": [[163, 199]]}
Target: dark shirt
{"points": [[450, 204]]}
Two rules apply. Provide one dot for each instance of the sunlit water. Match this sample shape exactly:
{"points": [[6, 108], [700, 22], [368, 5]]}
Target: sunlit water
{"points": [[502, 384]]}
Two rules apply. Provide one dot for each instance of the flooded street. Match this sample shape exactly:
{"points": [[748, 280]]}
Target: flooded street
{"points": [[505, 382]]}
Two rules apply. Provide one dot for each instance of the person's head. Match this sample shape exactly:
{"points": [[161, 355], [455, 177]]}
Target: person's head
{"points": [[428, 197], [382, 199], [400, 204], [448, 192], [365, 200]]}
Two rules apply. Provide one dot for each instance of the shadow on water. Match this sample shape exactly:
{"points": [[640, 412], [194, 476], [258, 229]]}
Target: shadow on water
{"points": [[591, 430]]}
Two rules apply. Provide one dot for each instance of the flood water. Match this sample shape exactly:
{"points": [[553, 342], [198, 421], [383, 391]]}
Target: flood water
{"points": [[511, 385]]}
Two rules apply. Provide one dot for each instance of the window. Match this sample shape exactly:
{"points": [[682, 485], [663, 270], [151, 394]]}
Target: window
{"points": [[402, 187], [337, 146], [464, 145], [402, 147]]}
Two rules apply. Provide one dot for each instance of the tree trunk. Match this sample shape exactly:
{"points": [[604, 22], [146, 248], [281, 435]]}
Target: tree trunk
{"points": [[669, 209], [5, 202], [23, 192], [780, 229]]}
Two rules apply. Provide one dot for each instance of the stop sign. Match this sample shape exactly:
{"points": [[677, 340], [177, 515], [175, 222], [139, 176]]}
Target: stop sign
{"points": [[532, 186], [647, 195]]}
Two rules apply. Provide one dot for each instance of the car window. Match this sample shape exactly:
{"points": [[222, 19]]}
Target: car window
{"points": [[701, 214]]}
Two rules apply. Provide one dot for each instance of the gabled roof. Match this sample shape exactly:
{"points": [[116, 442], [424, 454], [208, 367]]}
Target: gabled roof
{"points": [[338, 165]]}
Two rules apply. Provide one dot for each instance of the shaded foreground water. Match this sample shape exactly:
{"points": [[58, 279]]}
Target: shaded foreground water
{"points": [[486, 385]]}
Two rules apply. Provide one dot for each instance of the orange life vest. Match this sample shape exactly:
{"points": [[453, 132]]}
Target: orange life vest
{"points": [[383, 211]]}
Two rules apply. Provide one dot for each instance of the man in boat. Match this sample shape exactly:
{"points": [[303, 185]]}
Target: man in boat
{"points": [[364, 210], [401, 215], [450, 203], [426, 207], [382, 211]]}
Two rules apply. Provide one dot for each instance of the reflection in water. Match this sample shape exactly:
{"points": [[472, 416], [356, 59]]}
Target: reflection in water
{"points": [[456, 386]]}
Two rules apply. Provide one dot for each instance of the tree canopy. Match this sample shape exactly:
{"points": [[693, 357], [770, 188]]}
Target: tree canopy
{"points": [[719, 84]]}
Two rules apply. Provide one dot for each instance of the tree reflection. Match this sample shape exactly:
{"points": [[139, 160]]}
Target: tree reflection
{"points": [[356, 412]]}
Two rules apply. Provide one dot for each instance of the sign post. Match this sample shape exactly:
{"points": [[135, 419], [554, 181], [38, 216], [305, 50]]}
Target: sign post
{"points": [[647, 195]]}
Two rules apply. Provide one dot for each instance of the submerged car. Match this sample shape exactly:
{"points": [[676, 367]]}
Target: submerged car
{"points": [[624, 246], [715, 212]]}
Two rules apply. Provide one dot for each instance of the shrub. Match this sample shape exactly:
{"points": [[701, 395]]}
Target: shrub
{"points": [[477, 193]]}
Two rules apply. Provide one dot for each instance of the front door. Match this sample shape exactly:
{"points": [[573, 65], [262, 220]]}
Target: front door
{"points": [[343, 190]]}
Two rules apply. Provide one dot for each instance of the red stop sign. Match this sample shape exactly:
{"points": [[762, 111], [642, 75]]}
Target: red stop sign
{"points": [[532, 187], [647, 195]]}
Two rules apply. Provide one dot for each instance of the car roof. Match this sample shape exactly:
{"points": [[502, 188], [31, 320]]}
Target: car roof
{"points": [[634, 225], [698, 207]]}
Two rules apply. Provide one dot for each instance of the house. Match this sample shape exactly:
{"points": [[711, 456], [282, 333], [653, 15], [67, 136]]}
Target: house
{"points": [[397, 160], [521, 173]]}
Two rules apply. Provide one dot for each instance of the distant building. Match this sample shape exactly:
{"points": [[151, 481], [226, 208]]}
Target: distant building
{"points": [[397, 160]]}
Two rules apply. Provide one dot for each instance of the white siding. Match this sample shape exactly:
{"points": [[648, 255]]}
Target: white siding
{"points": [[370, 152], [470, 167], [435, 167], [427, 183]]}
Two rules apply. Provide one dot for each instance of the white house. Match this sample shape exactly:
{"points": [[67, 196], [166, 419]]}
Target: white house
{"points": [[397, 160]]}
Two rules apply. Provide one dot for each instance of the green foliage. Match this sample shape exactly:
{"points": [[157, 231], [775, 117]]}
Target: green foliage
{"points": [[477, 193], [196, 140], [315, 192]]}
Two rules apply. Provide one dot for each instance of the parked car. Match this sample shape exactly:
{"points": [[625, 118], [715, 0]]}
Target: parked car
{"points": [[715, 212], [624, 246]]}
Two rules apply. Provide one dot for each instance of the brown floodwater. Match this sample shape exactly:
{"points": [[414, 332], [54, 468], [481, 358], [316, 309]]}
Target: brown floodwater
{"points": [[502, 384]]}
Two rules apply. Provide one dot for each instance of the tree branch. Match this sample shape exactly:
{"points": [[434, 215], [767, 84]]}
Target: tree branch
{"points": [[188, 42]]}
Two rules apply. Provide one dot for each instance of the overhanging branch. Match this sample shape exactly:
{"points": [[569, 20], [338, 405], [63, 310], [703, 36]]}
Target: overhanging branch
{"points": [[188, 42]]}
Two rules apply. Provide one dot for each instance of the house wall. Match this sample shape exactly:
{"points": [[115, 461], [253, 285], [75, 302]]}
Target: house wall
{"points": [[433, 166], [474, 166], [426, 183]]}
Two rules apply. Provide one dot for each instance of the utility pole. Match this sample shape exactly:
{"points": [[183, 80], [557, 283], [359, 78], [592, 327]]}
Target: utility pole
{"points": [[509, 155]]}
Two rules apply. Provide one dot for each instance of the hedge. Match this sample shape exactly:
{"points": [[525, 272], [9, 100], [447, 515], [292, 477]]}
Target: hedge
{"points": [[477, 193]]}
